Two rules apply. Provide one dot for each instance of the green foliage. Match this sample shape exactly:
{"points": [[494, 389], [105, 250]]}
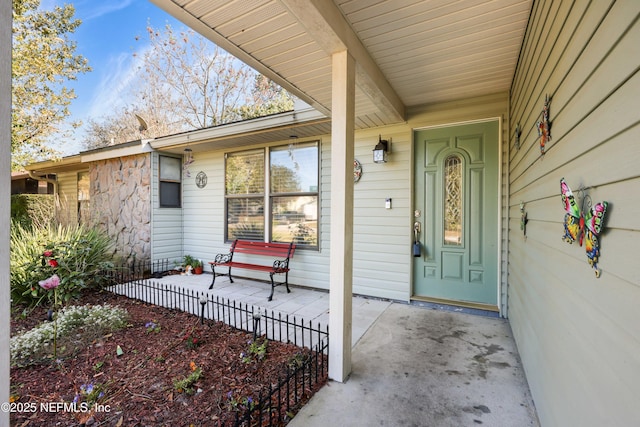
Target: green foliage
{"points": [[268, 98], [43, 61], [192, 261], [298, 360], [72, 320], [77, 254], [33, 209], [152, 327], [238, 403], [257, 350], [90, 393], [185, 385]]}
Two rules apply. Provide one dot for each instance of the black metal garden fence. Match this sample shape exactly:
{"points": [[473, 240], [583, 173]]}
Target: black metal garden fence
{"points": [[274, 405], [137, 269]]}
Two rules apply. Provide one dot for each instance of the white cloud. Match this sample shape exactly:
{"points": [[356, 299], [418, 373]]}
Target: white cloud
{"points": [[117, 84], [89, 9]]}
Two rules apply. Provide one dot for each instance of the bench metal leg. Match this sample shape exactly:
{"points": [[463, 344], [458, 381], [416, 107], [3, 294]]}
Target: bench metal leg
{"points": [[213, 270], [286, 281], [274, 284], [273, 287]]}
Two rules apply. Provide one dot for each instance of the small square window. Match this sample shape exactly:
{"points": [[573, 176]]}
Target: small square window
{"points": [[170, 182]]}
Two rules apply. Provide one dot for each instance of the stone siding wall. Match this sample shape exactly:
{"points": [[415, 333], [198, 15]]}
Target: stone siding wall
{"points": [[120, 203]]}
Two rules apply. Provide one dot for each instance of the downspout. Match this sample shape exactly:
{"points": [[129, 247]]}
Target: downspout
{"points": [[54, 182]]}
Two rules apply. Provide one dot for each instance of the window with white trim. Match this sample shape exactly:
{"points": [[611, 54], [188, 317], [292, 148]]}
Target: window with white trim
{"points": [[170, 182], [285, 180]]}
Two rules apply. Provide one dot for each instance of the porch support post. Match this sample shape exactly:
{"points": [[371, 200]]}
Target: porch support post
{"points": [[5, 169], [341, 237]]}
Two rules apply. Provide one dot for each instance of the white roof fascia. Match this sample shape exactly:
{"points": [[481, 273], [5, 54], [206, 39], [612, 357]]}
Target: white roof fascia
{"points": [[230, 129], [131, 150]]}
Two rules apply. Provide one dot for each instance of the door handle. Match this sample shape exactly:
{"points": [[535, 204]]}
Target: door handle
{"points": [[417, 250]]}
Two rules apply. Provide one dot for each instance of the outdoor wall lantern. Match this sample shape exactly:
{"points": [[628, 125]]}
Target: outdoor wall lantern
{"points": [[188, 160], [380, 151]]}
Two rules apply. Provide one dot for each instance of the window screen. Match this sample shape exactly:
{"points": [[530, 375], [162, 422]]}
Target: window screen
{"points": [[170, 182]]}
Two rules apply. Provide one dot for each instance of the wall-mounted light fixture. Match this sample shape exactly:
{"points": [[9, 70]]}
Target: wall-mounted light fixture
{"points": [[380, 151], [188, 160]]}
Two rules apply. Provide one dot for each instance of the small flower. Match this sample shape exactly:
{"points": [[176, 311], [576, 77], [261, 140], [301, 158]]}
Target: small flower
{"points": [[193, 366], [53, 263], [150, 325], [50, 283], [48, 253], [86, 388]]}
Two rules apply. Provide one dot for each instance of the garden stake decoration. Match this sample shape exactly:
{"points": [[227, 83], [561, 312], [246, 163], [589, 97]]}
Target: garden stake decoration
{"points": [[543, 125], [48, 284], [575, 221]]}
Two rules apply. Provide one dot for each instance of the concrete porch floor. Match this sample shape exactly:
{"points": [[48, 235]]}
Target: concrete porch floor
{"points": [[412, 365]]}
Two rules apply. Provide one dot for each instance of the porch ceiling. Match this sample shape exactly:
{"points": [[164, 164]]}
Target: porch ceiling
{"points": [[408, 52]]}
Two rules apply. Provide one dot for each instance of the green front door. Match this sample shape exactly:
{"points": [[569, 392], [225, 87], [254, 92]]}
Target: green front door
{"points": [[456, 170]]}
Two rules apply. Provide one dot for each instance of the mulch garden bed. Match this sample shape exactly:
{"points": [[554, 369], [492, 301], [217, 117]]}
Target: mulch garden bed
{"points": [[137, 385]]}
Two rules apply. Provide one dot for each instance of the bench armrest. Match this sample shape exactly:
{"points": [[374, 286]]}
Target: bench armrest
{"points": [[223, 258], [280, 265]]}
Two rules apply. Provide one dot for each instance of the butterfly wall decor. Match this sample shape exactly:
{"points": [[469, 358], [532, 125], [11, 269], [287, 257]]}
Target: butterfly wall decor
{"points": [[523, 219], [544, 126], [575, 221]]}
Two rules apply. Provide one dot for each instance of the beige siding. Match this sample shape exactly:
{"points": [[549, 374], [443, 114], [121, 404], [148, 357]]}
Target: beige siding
{"points": [[382, 237], [204, 208], [67, 211], [166, 223], [577, 334]]}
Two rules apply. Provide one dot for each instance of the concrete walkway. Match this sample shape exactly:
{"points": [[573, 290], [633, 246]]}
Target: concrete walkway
{"points": [[424, 367], [412, 366]]}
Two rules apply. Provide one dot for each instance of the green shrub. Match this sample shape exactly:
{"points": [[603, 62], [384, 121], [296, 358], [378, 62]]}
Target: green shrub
{"points": [[36, 210], [77, 254]]}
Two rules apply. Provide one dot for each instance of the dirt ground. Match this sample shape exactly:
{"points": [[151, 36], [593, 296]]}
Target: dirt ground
{"points": [[221, 372]]}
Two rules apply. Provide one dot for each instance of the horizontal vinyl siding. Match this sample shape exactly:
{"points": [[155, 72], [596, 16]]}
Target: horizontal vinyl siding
{"points": [[68, 197], [382, 237], [166, 223], [204, 209], [577, 334]]}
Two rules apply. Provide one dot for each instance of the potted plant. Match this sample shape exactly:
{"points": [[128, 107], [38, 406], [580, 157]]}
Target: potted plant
{"points": [[195, 264]]}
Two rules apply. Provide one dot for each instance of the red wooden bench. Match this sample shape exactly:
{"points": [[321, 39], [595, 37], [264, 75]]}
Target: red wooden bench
{"points": [[281, 251]]}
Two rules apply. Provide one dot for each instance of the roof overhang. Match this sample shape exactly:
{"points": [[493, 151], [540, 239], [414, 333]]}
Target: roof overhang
{"points": [[407, 54], [263, 130]]}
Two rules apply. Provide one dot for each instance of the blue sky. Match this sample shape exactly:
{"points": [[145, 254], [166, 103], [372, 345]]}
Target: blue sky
{"points": [[107, 38]]}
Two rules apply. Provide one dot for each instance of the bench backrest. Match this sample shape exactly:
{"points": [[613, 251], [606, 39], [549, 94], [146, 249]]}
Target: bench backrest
{"points": [[277, 250]]}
